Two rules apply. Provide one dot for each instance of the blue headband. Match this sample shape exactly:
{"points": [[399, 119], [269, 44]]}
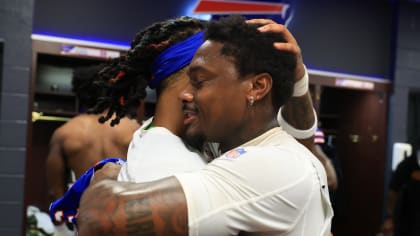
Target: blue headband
{"points": [[175, 58]]}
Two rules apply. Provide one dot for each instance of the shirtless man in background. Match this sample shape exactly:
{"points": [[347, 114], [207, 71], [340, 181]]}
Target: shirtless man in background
{"points": [[82, 141]]}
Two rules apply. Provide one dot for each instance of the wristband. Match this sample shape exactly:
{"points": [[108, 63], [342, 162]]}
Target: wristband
{"points": [[297, 133], [301, 86]]}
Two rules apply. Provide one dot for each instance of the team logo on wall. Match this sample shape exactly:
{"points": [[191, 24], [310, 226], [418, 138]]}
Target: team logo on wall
{"points": [[279, 11]]}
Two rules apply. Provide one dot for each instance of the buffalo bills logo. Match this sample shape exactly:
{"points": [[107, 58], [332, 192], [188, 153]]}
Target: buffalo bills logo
{"points": [[279, 11]]}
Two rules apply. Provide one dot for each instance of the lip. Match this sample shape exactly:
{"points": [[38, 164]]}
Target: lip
{"points": [[189, 116], [190, 113]]}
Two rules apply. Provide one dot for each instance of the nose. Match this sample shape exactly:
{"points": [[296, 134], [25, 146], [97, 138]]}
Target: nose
{"points": [[186, 95]]}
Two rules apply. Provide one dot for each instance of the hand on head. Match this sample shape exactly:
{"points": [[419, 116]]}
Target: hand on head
{"points": [[290, 46]]}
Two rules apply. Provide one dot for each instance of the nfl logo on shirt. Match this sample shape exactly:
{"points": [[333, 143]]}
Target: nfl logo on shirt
{"points": [[235, 153]]}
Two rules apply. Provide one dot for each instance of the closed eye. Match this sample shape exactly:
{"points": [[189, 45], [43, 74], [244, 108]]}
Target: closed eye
{"points": [[196, 83]]}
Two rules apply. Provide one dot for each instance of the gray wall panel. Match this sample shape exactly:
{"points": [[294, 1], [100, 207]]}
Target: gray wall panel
{"points": [[13, 134], [16, 79], [14, 106], [10, 216], [13, 185], [15, 159]]}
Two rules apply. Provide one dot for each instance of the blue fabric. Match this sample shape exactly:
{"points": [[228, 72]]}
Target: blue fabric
{"points": [[65, 208], [175, 58]]}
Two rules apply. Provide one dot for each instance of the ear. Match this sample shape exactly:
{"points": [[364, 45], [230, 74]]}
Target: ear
{"points": [[260, 86]]}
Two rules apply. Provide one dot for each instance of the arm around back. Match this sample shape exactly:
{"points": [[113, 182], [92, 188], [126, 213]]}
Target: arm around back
{"points": [[109, 207]]}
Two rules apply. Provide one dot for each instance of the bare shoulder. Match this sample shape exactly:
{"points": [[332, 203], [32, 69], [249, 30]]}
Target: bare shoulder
{"points": [[125, 129], [63, 131], [72, 125], [76, 130], [130, 125]]}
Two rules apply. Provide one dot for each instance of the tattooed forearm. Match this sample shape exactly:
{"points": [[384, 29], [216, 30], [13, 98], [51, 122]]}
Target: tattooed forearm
{"points": [[170, 213], [298, 112], [139, 217], [117, 208]]}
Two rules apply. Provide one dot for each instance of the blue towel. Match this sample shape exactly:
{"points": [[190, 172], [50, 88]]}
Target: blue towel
{"points": [[65, 208]]}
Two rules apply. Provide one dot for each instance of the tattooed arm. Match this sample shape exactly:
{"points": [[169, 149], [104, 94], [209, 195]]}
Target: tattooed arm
{"points": [[298, 112], [109, 207]]}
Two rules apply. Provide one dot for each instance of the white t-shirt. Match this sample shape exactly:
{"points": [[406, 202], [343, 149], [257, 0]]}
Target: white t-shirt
{"points": [[271, 185], [157, 153]]}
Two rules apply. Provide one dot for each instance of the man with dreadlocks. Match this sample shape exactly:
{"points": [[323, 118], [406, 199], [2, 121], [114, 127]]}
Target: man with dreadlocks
{"points": [[265, 182], [146, 61]]}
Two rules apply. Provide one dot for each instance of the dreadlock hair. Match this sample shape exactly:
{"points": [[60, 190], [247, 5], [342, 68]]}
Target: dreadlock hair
{"points": [[253, 53], [124, 79], [83, 84]]}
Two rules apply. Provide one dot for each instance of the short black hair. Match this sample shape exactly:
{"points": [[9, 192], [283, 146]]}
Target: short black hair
{"points": [[125, 79], [83, 84], [253, 53]]}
